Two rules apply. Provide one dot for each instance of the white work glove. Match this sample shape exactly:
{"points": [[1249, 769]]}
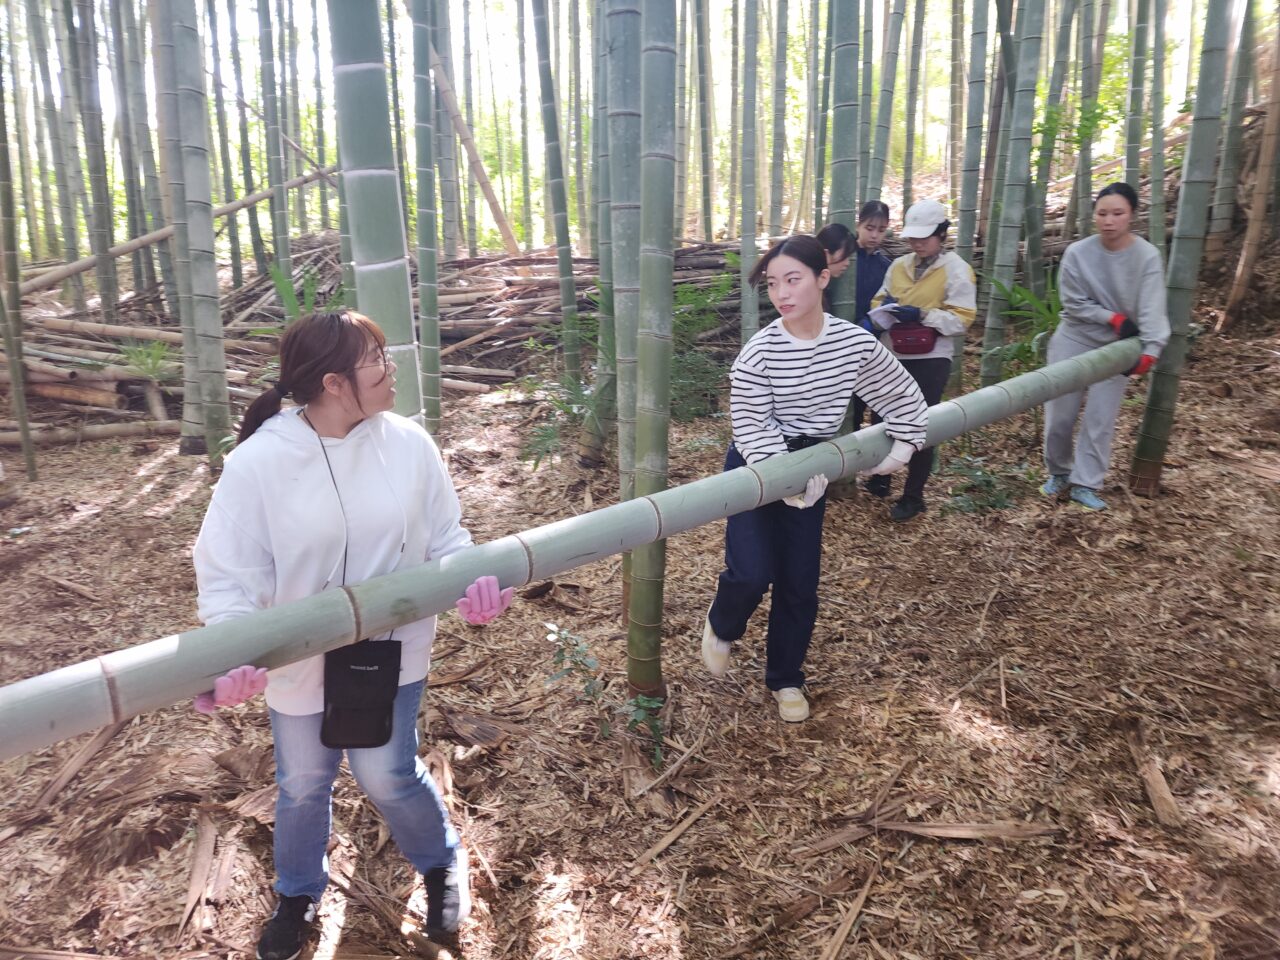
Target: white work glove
{"points": [[899, 455], [813, 491]]}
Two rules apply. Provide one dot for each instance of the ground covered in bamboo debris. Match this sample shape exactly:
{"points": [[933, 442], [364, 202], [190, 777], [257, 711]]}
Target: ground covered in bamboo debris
{"points": [[972, 668]]}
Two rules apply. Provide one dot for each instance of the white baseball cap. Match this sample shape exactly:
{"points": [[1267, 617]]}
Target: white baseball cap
{"points": [[923, 220]]}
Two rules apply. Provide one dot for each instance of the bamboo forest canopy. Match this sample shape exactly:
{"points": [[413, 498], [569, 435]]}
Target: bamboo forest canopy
{"points": [[280, 75]]}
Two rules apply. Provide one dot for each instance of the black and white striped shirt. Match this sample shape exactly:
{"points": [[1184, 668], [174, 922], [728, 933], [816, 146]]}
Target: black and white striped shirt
{"points": [[782, 387]]}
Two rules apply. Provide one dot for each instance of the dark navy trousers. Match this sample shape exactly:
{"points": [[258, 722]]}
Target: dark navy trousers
{"points": [[779, 547]]}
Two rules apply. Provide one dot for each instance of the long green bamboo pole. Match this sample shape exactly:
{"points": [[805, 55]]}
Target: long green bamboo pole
{"points": [[100, 229], [653, 345], [913, 87], [682, 119], [976, 113], [844, 142], [372, 186], [192, 439], [624, 187], [750, 308], [1156, 215], [864, 107], [601, 419], [468, 100], [1049, 132], [526, 194], [1223, 210], [11, 316], [428, 271], [275, 145], [27, 182], [1186, 254], [1004, 260], [1089, 119], [224, 144], [559, 199], [778, 138], [57, 146], [206, 314], [706, 113], [144, 275], [62, 16], [44, 166], [446, 158], [321, 147], [956, 100], [820, 150], [1137, 91], [41, 710], [735, 116], [246, 165], [575, 112], [888, 74]]}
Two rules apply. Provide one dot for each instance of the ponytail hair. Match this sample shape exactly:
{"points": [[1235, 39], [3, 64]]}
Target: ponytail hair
{"points": [[313, 347]]}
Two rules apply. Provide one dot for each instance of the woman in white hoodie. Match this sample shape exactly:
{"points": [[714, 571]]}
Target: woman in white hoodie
{"points": [[332, 492]]}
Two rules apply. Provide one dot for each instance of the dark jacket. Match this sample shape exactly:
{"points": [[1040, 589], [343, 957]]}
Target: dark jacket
{"points": [[872, 268]]}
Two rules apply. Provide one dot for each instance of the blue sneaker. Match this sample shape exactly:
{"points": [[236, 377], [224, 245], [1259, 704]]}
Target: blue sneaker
{"points": [[1055, 485], [1087, 498]]}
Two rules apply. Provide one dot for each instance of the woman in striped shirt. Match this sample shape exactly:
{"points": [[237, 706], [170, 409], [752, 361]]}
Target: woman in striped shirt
{"points": [[790, 388]]}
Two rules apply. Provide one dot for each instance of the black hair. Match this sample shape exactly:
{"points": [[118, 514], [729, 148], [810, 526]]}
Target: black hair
{"points": [[941, 232], [874, 210], [1119, 189], [312, 347], [838, 240], [808, 250]]}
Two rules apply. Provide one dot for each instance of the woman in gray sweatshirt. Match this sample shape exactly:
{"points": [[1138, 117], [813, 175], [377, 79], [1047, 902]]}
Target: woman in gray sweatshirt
{"points": [[1112, 286]]}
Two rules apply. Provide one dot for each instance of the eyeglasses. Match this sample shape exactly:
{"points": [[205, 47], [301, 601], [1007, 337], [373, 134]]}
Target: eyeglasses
{"points": [[384, 361]]}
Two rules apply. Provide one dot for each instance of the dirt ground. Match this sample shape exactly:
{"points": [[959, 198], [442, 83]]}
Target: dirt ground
{"points": [[970, 668]]}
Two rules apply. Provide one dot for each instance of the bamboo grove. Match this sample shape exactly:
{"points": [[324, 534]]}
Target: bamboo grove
{"points": [[143, 172]]}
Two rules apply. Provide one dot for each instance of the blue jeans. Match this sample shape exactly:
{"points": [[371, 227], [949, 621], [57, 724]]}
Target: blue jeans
{"points": [[392, 776], [771, 547]]}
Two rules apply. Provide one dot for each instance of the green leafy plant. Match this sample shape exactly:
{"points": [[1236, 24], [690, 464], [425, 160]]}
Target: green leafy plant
{"points": [[573, 658], [153, 359], [979, 489], [645, 712], [571, 403], [293, 308], [1032, 320]]}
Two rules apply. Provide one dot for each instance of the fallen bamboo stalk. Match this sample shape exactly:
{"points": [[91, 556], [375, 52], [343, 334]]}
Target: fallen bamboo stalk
{"points": [[487, 372], [674, 834], [94, 431], [1149, 772], [475, 338], [465, 386], [106, 329], [832, 950], [54, 277], [77, 393]]}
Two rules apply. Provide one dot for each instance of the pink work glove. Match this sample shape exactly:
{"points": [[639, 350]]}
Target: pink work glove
{"points": [[484, 600], [233, 689]]}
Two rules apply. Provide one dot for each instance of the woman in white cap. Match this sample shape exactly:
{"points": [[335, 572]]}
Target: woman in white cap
{"points": [[928, 297]]}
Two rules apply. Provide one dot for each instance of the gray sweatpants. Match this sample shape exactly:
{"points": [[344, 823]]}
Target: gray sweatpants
{"points": [[1087, 463]]}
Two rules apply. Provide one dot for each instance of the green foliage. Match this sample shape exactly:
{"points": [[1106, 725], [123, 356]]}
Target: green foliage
{"points": [[573, 658], [571, 403], [1032, 320], [696, 378], [293, 309], [645, 712], [152, 359], [979, 489]]}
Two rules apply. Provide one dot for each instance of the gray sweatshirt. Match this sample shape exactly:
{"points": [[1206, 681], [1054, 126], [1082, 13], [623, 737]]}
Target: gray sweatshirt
{"points": [[1095, 284]]}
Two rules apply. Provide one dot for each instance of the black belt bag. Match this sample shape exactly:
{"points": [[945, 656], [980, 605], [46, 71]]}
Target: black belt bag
{"points": [[802, 442], [360, 686]]}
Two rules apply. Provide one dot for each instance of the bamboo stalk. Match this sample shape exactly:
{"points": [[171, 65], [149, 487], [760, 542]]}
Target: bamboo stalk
{"points": [[77, 393], [51, 436], [52, 278]]}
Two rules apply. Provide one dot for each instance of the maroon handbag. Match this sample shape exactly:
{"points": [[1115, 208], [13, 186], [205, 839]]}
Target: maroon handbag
{"points": [[911, 339]]}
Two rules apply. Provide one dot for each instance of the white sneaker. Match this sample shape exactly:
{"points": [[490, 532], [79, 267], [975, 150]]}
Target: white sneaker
{"points": [[792, 706], [715, 652]]}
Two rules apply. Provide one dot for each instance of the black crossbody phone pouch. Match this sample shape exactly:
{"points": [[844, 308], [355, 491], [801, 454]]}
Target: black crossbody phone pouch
{"points": [[360, 685]]}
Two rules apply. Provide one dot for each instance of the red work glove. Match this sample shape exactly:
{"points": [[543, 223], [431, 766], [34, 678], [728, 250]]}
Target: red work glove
{"points": [[484, 601], [233, 689], [1145, 363], [1123, 326]]}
